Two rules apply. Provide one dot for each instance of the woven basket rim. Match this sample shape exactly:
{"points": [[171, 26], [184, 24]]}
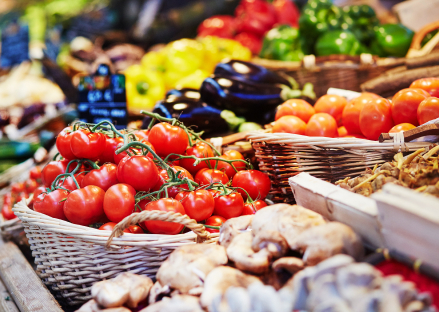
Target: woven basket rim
{"points": [[25, 214]]}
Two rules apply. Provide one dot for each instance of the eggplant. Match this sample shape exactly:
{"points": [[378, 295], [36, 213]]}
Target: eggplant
{"points": [[249, 72], [190, 111], [248, 99], [184, 93]]}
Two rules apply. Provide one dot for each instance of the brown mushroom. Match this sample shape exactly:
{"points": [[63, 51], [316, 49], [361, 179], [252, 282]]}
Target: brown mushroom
{"points": [[233, 227], [291, 264], [93, 306], [179, 303]]}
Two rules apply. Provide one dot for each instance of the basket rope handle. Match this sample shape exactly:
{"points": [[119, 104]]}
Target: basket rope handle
{"points": [[420, 34], [169, 216]]}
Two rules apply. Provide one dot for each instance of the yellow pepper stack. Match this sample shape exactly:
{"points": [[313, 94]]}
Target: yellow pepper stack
{"points": [[184, 63]]}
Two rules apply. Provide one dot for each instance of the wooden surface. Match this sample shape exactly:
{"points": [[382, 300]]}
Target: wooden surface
{"points": [[6, 302], [25, 287]]}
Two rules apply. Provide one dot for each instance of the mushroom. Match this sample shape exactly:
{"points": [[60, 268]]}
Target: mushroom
{"points": [[233, 227], [93, 306], [272, 241], [291, 264], [157, 291], [323, 241], [179, 303], [187, 267], [219, 280]]}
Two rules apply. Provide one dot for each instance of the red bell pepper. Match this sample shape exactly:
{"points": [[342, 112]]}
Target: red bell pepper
{"points": [[255, 16], [287, 13], [254, 43], [219, 25]]}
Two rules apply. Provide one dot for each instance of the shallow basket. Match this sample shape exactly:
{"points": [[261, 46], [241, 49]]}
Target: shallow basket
{"points": [[284, 155], [70, 258]]}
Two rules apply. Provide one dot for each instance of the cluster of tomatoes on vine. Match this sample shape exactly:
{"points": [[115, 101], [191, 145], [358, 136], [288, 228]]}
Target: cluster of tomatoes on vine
{"points": [[105, 175]]}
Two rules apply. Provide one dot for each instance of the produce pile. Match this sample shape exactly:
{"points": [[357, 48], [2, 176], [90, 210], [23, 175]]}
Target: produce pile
{"points": [[105, 175], [366, 116], [418, 171], [291, 259]]}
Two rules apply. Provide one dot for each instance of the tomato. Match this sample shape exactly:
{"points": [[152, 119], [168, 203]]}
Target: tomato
{"points": [[208, 176], [252, 208], [163, 227], [428, 110], [7, 212], [401, 128], [135, 229], [173, 190], [70, 184], [229, 206], [35, 173], [104, 177], [111, 145], [376, 118], [138, 171], [168, 139], [198, 205], [255, 182], [86, 144], [142, 134], [52, 170], [355, 135], [7, 198], [342, 132], [30, 185], [17, 187], [109, 226], [405, 105], [135, 151], [85, 206], [20, 196], [333, 105], [119, 202], [38, 191], [200, 150], [52, 204], [431, 85], [352, 110], [227, 168], [295, 107], [63, 143], [214, 221], [322, 124], [289, 124]]}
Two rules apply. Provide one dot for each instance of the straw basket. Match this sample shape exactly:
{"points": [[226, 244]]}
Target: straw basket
{"points": [[70, 257], [284, 155]]}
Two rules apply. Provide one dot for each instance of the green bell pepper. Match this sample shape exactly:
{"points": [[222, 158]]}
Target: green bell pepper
{"points": [[338, 42], [282, 43], [318, 17], [392, 40], [363, 20]]}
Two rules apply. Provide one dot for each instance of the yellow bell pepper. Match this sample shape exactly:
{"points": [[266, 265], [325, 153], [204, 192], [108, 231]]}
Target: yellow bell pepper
{"points": [[193, 81], [154, 60], [144, 87]]}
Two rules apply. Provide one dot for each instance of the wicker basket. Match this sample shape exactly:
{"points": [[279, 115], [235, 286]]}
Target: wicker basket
{"points": [[70, 257], [284, 155]]}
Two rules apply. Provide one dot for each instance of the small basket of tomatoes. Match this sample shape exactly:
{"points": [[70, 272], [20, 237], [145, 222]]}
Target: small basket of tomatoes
{"points": [[119, 201]]}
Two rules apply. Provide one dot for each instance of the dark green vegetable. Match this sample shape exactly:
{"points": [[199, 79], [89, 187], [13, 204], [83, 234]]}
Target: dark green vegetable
{"points": [[363, 20], [392, 40], [338, 42], [282, 43]]}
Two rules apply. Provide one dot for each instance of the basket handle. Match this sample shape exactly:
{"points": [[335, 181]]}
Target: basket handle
{"points": [[415, 47], [409, 135], [169, 216]]}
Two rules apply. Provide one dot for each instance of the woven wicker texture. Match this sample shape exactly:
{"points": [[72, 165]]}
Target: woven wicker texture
{"points": [[70, 257], [284, 155]]}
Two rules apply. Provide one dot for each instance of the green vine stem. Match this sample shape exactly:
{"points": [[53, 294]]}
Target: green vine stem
{"points": [[54, 183], [142, 145], [212, 227], [198, 160]]}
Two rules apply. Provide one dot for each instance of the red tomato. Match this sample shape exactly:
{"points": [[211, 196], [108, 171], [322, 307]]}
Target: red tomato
{"points": [[35, 173], [119, 202], [428, 110], [7, 212], [86, 144], [229, 206], [342, 132], [252, 208], [70, 184], [52, 204], [135, 151], [38, 191], [352, 110], [168, 139], [405, 105], [358, 136], [255, 182], [109, 226], [142, 134], [208, 176], [214, 221], [295, 107], [200, 150], [289, 124], [20, 197], [333, 105], [163, 227], [198, 205], [227, 168], [234, 154], [17, 187], [52, 170], [322, 124], [431, 85], [110, 147], [135, 229], [173, 190], [401, 128], [63, 143], [376, 118], [7, 198], [138, 171], [85, 206], [104, 177], [30, 185]]}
